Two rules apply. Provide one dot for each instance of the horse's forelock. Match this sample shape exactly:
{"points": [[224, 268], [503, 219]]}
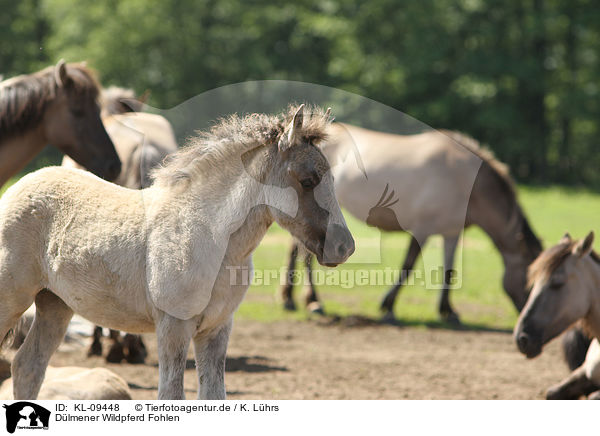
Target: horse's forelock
{"points": [[548, 261]]}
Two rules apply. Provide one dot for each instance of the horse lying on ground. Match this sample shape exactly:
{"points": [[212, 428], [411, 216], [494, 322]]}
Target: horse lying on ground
{"points": [[142, 141], [583, 381], [75, 383], [565, 282], [437, 182], [58, 106], [169, 257]]}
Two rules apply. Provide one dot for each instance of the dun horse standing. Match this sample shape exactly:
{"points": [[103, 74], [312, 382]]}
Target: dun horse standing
{"points": [[58, 106], [565, 282], [424, 186], [165, 258]]}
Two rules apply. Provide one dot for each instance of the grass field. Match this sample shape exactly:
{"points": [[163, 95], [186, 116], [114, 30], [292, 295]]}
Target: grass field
{"points": [[480, 300]]}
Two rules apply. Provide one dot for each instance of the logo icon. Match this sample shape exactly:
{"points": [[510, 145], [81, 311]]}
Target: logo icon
{"points": [[26, 415]]}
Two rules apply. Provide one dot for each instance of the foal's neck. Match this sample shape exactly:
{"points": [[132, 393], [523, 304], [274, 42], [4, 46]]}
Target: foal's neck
{"points": [[592, 319], [18, 150], [240, 198]]}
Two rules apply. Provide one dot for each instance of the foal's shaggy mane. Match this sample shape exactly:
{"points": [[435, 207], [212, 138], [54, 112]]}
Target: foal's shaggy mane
{"points": [[23, 99], [231, 137], [549, 260]]}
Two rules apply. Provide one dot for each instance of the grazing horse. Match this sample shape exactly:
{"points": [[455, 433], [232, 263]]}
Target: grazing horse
{"points": [[170, 258], [142, 142], [58, 105], [426, 184], [565, 282]]}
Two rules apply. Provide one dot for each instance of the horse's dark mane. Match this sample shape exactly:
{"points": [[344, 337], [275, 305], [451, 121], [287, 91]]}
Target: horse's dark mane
{"points": [[24, 99]]}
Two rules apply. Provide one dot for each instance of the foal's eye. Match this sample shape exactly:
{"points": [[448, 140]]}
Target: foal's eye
{"points": [[77, 113], [307, 183]]}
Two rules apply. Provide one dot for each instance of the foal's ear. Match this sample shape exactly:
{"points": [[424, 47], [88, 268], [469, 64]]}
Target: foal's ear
{"points": [[288, 137], [584, 247], [565, 239], [60, 74]]}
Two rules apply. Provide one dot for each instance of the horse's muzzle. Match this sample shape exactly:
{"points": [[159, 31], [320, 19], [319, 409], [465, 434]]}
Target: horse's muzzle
{"points": [[529, 345]]}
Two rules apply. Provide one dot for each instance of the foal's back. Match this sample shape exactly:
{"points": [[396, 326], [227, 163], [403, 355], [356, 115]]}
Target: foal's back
{"points": [[79, 236]]}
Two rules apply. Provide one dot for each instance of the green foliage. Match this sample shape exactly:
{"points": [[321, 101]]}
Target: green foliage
{"points": [[519, 75]]}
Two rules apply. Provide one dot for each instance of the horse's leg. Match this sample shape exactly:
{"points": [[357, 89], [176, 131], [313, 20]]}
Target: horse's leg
{"points": [[49, 326], [573, 387], [445, 308], [288, 288], [173, 336], [210, 353], [136, 350], [311, 298], [96, 347], [387, 305], [116, 353]]}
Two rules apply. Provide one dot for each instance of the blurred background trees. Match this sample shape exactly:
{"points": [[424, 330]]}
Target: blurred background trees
{"points": [[521, 76]]}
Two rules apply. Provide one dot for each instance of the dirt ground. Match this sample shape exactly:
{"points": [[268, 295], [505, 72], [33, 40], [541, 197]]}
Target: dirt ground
{"points": [[321, 360]]}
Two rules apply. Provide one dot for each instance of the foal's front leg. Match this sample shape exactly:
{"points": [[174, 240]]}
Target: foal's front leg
{"points": [[173, 336], [210, 350]]}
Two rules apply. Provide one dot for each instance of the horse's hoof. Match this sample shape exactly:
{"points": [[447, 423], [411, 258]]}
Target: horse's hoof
{"points": [[594, 396], [95, 349], [136, 358], [115, 355], [451, 318], [389, 318], [136, 350], [315, 307], [289, 305]]}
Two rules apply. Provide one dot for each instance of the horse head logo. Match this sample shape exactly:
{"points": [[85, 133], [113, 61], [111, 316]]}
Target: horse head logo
{"points": [[28, 415], [381, 215]]}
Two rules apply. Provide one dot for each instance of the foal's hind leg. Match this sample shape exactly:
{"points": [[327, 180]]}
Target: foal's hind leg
{"points": [[52, 317]]}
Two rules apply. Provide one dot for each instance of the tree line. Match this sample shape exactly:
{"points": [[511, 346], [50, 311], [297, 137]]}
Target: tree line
{"points": [[521, 76]]}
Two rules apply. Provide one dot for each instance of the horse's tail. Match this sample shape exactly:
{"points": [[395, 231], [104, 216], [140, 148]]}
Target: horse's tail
{"points": [[575, 344], [15, 337]]}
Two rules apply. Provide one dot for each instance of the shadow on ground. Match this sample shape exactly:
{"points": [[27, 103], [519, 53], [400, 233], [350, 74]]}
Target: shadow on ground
{"points": [[353, 321]]}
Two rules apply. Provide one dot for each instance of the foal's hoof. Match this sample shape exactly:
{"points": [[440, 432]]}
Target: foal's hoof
{"points": [[315, 307], [115, 354], [289, 305]]}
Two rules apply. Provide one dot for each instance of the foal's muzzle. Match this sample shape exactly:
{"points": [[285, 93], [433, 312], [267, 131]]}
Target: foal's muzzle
{"points": [[338, 247]]}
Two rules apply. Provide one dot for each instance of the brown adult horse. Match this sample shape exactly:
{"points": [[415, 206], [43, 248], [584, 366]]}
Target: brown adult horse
{"points": [[142, 141], [437, 182], [58, 106], [565, 283]]}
